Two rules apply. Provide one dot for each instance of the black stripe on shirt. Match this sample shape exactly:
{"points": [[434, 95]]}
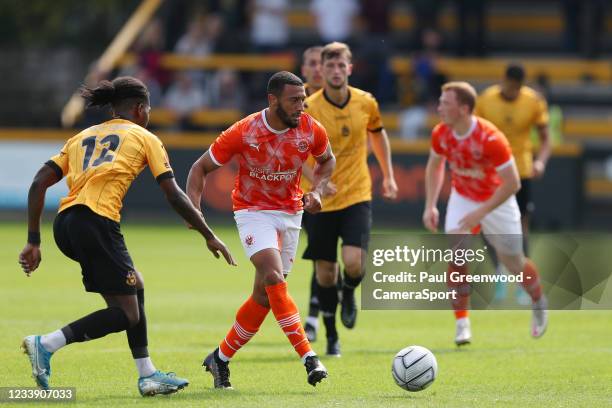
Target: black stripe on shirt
{"points": [[164, 176], [57, 169]]}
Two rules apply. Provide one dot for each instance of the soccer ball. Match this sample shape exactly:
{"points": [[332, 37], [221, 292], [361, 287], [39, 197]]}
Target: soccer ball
{"points": [[414, 368]]}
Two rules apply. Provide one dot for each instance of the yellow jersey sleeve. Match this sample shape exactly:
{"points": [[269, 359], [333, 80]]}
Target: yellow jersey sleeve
{"points": [[59, 163], [157, 157], [541, 118], [375, 122]]}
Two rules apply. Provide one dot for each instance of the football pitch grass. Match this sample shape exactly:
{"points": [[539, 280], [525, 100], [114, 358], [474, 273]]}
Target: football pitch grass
{"points": [[191, 299]]}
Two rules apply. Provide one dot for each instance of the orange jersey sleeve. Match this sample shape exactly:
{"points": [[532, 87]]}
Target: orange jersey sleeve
{"points": [[227, 144], [497, 149], [320, 139], [435, 140]]}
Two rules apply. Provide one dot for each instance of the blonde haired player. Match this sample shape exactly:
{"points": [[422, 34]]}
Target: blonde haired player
{"points": [[484, 179]]}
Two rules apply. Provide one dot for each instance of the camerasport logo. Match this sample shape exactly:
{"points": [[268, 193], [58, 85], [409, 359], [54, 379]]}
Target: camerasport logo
{"points": [[249, 240]]}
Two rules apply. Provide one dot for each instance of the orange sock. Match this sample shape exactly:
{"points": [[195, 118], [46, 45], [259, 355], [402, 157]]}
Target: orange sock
{"points": [[460, 305], [531, 284], [288, 318], [249, 318]]}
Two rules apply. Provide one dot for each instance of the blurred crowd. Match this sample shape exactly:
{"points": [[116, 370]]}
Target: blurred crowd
{"points": [[202, 28]]}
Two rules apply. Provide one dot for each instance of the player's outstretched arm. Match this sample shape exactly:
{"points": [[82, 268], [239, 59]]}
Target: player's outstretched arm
{"points": [[30, 256], [322, 173], [434, 178], [382, 151], [197, 177], [183, 206]]}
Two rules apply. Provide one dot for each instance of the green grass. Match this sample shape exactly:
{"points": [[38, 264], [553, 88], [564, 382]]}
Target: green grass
{"points": [[191, 299]]}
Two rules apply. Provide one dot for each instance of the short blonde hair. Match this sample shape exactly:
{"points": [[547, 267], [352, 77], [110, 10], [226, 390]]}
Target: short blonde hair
{"points": [[466, 94], [336, 49]]}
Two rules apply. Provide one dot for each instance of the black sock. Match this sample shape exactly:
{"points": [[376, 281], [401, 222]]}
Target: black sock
{"points": [[137, 335], [313, 307], [350, 283], [96, 325], [339, 282], [328, 299], [526, 244]]}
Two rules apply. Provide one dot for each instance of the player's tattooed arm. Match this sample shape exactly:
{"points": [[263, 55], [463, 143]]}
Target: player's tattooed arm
{"points": [[322, 172], [30, 256], [308, 173]]}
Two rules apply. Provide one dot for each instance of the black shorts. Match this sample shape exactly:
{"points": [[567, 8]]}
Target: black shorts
{"points": [[97, 244], [352, 224], [523, 197]]}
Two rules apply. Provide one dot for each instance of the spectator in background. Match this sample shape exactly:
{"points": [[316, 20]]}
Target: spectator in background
{"points": [[427, 82], [183, 98], [224, 90], [201, 36], [472, 27], [334, 18], [375, 49], [200, 40], [155, 91], [584, 23], [234, 14], [269, 27], [426, 18], [150, 48]]}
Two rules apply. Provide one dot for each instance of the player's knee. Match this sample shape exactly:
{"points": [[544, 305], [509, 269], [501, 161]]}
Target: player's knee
{"points": [[273, 276], [132, 315], [326, 274], [326, 280], [514, 263], [352, 266]]}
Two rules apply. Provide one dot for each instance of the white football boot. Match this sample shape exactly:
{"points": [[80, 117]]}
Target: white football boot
{"points": [[539, 317], [463, 334]]}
